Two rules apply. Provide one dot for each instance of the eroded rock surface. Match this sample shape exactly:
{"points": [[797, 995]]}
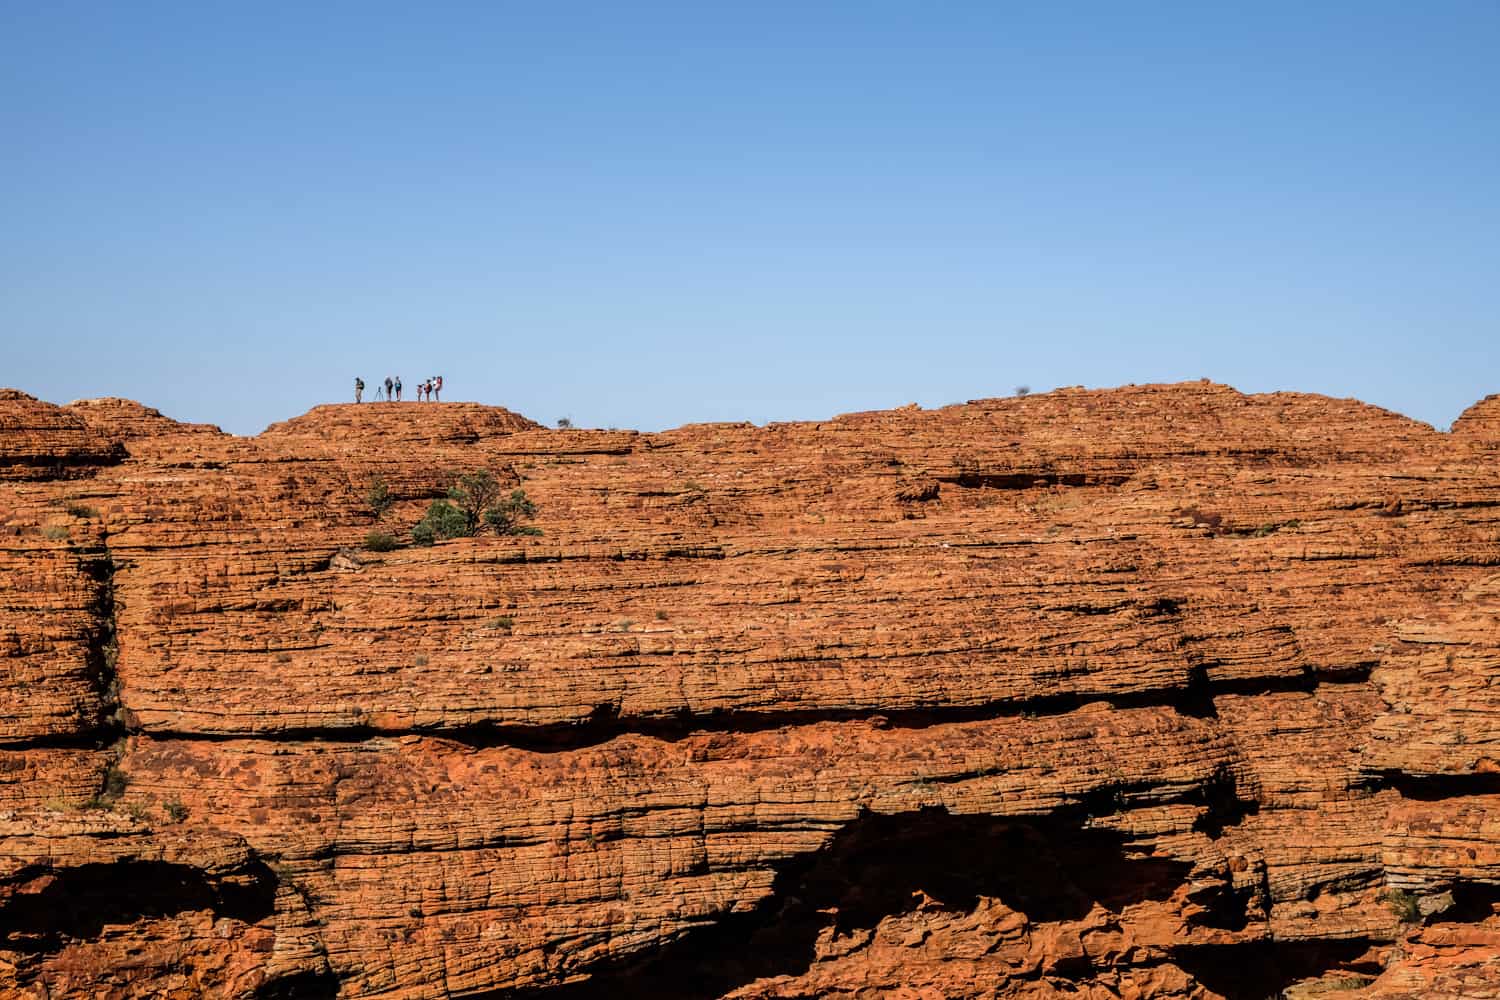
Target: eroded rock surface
{"points": [[1156, 692]]}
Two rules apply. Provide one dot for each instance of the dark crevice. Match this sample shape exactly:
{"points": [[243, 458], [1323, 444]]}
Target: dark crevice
{"points": [[92, 740], [48, 908], [1222, 802], [40, 468], [1028, 480], [1260, 969], [1472, 902], [1303, 681], [322, 985], [1196, 698], [102, 651], [605, 724], [1436, 787], [1358, 673], [100, 656], [1051, 869]]}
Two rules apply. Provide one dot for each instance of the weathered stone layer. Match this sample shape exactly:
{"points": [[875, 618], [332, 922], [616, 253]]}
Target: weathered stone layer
{"points": [[1120, 693]]}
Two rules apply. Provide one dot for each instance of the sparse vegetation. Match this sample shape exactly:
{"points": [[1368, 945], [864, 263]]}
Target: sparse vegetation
{"points": [[175, 810], [506, 516], [474, 502], [474, 494], [419, 660], [1023, 390], [115, 781], [83, 511], [661, 616], [55, 532], [564, 423], [380, 541], [505, 622], [378, 498], [442, 521], [1271, 527], [1344, 983], [1404, 905], [283, 657]]}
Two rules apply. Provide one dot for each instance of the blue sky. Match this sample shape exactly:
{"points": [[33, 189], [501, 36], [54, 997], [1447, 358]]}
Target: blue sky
{"points": [[648, 214]]}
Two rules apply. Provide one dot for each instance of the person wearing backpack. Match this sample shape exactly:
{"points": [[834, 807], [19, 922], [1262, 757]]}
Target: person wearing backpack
{"points": [[359, 389]]}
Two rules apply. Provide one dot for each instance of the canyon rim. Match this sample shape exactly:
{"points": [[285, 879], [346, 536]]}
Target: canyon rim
{"points": [[1155, 692]]}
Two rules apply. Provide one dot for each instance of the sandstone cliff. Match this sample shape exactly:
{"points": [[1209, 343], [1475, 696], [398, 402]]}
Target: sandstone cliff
{"points": [[1157, 692]]}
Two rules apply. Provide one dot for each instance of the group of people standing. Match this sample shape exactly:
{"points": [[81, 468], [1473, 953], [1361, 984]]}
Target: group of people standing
{"points": [[431, 389]]}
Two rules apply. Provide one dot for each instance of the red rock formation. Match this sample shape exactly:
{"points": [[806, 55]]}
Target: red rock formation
{"points": [[1163, 691]]}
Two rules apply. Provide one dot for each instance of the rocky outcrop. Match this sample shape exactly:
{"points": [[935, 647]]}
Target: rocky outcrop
{"points": [[39, 441], [1164, 691], [1480, 423]]}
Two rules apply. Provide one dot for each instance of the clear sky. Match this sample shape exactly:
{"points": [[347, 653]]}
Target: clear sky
{"points": [[644, 214]]}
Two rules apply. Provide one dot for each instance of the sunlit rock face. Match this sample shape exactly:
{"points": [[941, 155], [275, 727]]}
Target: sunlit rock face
{"points": [[1155, 692]]}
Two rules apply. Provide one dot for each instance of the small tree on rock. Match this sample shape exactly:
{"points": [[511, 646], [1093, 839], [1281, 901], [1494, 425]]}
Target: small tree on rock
{"points": [[379, 498], [506, 516], [442, 521], [473, 502], [473, 494]]}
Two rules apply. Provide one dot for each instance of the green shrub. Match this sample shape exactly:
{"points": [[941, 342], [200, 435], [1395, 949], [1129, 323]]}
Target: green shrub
{"points": [[474, 502], [56, 532], [380, 541], [505, 622], [115, 781], [82, 511], [473, 494], [506, 516], [175, 810], [1404, 905], [442, 520], [379, 498], [564, 423]]}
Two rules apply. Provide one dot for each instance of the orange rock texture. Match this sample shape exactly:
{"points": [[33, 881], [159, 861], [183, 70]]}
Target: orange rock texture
{"points": [[1154, 692]]}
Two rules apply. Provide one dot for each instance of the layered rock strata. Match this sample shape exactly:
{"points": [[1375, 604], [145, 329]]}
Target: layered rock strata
{"points": [[1163, 691]]}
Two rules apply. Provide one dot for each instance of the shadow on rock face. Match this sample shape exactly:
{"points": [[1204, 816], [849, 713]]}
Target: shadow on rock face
{"points": [[875, 868], [301, 986], [1265, 968], [76, 903]]}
